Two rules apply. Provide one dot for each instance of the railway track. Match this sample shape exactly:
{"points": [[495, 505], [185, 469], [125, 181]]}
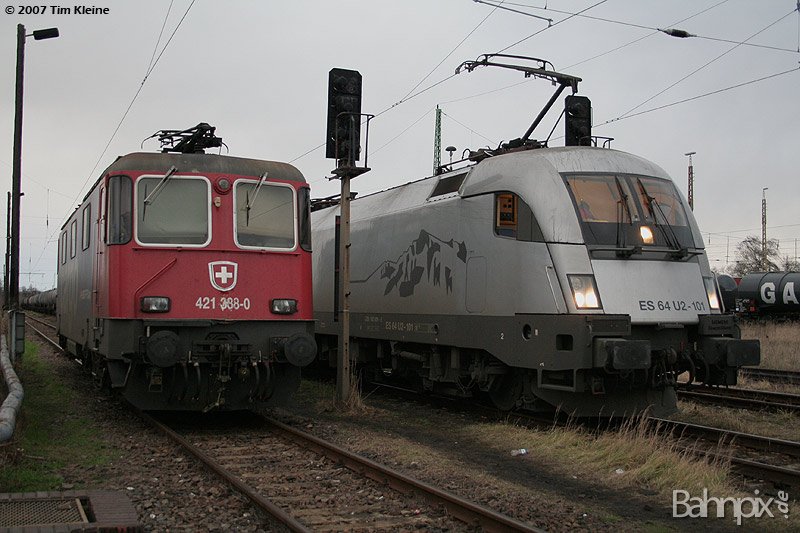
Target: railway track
{"points": [[308, 484], [743, 398], [312, 485], [752, 456], [772, 375], [49, 324]]}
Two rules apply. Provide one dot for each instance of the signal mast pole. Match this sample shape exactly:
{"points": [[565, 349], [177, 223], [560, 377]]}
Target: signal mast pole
{"points": [[691, 180], [343, 145], [764, 262]]}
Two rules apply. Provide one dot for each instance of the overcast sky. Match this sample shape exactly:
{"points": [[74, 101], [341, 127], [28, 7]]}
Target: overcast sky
{"points": [[258, 71]]}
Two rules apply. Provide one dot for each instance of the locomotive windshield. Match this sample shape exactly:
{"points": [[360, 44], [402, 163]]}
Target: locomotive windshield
{"points": [[625, 210], [177, 213], [265, 215]]}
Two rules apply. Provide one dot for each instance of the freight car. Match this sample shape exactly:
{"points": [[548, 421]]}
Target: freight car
{"points": [[572, 277], [769, 295], [184, 278], [42, 302]]}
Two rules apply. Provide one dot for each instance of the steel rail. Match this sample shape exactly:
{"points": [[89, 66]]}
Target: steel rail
{"points": [[40, 321], [747, 440], [45, 337], [258, 500], [772, 375], [464, 510], [744, 398], [746, 467]]}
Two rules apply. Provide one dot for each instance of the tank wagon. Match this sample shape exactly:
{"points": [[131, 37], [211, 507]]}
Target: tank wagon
{"points": [[769, 294], [184, 278], [571, 278], [42, 302]]}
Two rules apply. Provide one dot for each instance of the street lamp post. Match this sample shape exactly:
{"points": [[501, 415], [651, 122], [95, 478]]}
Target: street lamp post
{"points": [[12, 290]]}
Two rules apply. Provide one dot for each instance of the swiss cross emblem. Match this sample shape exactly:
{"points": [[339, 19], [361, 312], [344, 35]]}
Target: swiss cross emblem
{"points": [[223, 274]]}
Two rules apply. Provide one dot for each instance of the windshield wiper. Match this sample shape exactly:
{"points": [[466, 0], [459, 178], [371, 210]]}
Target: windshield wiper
{"points": [[149, 198], [623, 207], [669, 233], [249, 204]]}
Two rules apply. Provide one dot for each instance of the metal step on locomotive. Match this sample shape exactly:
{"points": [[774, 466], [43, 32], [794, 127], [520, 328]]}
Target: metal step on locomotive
{"points": [[571, 278], [184, 278]]}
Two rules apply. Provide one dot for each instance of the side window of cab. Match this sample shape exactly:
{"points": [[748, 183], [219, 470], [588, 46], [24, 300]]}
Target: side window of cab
{"points": [[514, 219]]}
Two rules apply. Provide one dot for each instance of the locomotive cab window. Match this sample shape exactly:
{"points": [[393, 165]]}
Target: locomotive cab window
{"points": [[513, 218], [173, 210], [304, 196], [118, 220], [628, 210], [266, 216]]}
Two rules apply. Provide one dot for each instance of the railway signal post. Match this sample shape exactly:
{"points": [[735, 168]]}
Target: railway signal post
{"points": [[343, 138]]}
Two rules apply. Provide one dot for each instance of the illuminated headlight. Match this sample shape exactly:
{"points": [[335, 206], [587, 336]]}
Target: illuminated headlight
{"points": [[584, 292], [283, 306], [647, 234], [711, 291], [155, 304]]}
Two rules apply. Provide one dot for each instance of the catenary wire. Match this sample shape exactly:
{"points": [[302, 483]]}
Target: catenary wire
{"points": [[124, 115], [439, 64], [133, 100], [641, 26], [534, 34], [698, 97], [695, 71], [588, 59]]}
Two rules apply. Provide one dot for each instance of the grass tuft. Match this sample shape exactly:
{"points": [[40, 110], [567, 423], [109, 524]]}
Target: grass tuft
{"points": [[49, 436]]}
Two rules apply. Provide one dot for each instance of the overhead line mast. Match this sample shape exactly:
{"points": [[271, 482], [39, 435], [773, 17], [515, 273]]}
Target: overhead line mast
{"points": [[691, 181], [437, 142]]}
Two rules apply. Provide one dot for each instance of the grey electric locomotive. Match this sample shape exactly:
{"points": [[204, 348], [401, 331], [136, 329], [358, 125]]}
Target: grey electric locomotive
{"points": [[571, 278]]}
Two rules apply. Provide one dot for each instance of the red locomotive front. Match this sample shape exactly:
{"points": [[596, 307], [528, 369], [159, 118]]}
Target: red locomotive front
{"points": [[185, 281]]}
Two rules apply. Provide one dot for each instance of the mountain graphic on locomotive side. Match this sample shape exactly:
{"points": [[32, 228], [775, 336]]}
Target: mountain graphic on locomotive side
{"points": [[184, 278], [570, 278]]}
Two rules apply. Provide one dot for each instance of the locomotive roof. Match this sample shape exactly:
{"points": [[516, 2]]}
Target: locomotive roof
{"points": [[534, 175], [204, 163]]}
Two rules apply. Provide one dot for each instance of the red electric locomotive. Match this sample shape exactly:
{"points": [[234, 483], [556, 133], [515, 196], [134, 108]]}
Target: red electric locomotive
{"points": [[184, 278]]}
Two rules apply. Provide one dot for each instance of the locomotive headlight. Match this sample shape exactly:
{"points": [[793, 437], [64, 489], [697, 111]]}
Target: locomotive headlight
{"points": [[647, 234], [711, 291], [584, 291], [155, 304], [283, 306]]}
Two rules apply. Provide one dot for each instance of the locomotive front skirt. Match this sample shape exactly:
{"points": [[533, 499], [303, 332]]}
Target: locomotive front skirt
{"points": [[571, 278]]}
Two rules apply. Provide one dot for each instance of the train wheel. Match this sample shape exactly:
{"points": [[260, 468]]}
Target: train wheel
{"points": [[506, 391]]}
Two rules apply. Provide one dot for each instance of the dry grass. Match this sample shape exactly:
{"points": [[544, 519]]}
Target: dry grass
{"points": [[327, 400], [781, 425], [780, 343], [633, 456]]}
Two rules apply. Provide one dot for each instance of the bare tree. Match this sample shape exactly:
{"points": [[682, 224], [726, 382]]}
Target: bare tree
{"points": [[749, 257], [789, 264]]}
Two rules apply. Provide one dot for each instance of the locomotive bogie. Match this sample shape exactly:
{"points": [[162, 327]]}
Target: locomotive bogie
{"points": [[530, 276]]}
